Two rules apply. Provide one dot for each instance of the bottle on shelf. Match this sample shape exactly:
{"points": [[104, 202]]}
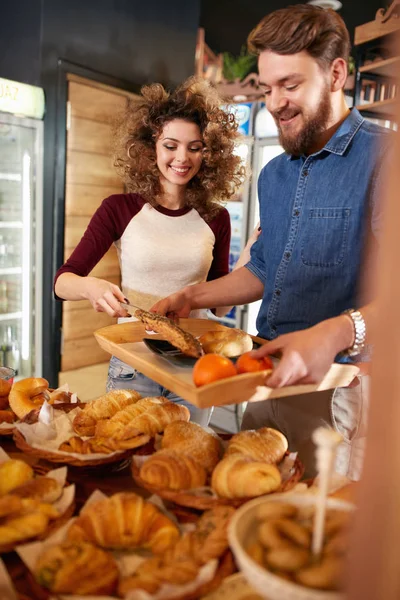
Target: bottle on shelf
{"points": [[3, 297], [9, 349]]}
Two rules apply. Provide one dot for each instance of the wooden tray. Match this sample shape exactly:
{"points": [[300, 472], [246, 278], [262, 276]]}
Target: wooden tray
{"points": [[125, 342], [190, 500]]}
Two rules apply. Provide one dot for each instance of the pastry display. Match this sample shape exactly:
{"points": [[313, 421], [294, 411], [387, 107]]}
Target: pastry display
{"points": [[238, 476], [103, 408], [124, 520], [77, 568], [14, 473], [282, 544], [181, 563], [171, 470], [193, 440], [228, 342], [183, 340], [265, 444]]}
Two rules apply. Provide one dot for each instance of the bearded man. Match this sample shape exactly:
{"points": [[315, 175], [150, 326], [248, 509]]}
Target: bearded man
{"points": [[319, 202]]}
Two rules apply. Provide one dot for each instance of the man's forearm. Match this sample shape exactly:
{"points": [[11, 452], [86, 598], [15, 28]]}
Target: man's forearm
{"points": [[239, 287]]}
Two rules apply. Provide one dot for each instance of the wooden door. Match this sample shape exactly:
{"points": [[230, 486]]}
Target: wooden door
{"points": [[90, 177]]}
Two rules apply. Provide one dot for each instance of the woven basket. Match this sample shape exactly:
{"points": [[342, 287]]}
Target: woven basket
{"points": [[63, 458], [190, 500]]}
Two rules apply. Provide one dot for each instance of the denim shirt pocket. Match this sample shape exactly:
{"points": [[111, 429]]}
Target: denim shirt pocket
{"points": [[120, 370], [325, 238]]}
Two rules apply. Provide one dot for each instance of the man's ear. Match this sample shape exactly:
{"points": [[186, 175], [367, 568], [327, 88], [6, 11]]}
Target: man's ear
{"points": [[338, 74]]}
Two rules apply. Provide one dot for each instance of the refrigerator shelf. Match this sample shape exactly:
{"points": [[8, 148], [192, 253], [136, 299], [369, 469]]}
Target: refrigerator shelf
{"points": [[10, 270], [10, 316], [11, 224]]}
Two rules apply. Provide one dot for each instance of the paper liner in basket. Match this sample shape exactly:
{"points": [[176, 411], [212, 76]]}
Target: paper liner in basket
{"points": [[42, 439], [208, 579], [65, 505], [205, 498]]}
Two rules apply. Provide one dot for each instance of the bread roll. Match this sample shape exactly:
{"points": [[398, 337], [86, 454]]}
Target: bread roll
{"points": [[27, 394], [167, 469], [237, 476], [42, 488], [20, 528], [265, 444], [103, 408], [12, 474], [7, 416], [228, 342], [191, 439], [124, 520], [77, 568]]}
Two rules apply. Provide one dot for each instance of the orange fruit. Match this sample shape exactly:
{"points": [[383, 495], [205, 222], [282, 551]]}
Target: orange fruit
{"points": [[248, 364], [210, 367]]}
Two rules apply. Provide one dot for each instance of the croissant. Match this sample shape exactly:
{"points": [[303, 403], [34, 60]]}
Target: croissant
{"points": [[238, 476], [180, 564], [167, 469], [103, 408], [154, 420], [265, 444], [124, 520], [77, 568], [24, 527], [13, 473], [80, 446], [192, 440], [109, 427]]}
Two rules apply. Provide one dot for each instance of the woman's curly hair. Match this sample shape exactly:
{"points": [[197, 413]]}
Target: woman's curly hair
{"points": [[196, 101]]}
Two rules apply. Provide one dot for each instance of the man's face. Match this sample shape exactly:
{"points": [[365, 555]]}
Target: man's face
{"points": [[298, 95]]}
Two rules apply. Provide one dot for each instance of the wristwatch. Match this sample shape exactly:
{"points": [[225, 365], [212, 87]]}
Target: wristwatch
{"points": [[360, 332]]}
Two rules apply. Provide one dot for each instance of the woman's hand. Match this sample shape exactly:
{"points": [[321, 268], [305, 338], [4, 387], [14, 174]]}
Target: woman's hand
{"points": [[104, 296]]}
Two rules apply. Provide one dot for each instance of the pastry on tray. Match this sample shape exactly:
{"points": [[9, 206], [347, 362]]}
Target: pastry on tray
{"points": [[183, 340]]}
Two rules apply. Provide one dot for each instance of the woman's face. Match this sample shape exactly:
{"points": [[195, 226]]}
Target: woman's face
{"points": [[179, 151]]}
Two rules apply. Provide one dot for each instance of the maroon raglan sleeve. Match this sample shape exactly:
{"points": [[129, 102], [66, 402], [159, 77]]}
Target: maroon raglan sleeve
{"points": [[106, 226], [221, 226]]}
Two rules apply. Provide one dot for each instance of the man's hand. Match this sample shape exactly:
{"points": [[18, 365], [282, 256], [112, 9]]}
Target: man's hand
{"points": [[307, 355], [174, 306]]}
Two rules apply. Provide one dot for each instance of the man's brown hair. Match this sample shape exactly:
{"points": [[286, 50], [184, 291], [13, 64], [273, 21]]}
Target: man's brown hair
{"points": [[303, 27]]}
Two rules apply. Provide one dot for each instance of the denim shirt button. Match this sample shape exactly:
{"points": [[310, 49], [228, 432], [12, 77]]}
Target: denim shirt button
{"points": [[273, 328], [305, 173], [288, 255], [296, 212], [277, 292]]}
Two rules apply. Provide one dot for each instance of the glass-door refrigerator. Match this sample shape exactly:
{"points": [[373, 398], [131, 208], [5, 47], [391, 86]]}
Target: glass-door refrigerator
{"points": [[21, 146]]}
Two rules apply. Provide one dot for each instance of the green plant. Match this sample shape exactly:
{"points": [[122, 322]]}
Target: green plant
{"points": [[237, 67], [351, 65]]}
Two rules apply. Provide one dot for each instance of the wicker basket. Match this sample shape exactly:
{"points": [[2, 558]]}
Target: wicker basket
{"points": [[64, 458], [191, 500]]}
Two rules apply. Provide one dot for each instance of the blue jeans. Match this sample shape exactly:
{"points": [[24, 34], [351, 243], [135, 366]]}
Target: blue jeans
{"points": [[122, 376]]}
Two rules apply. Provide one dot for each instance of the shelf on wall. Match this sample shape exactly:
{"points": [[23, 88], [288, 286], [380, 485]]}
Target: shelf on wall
{"points": [[386, 68], [383, 108]]}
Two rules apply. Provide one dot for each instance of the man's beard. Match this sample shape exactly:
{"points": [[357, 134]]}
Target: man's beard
{"points": [[307, 138]]}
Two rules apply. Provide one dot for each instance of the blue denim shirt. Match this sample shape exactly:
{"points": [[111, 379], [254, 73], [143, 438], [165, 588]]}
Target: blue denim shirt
{"points": [[316, 212]]}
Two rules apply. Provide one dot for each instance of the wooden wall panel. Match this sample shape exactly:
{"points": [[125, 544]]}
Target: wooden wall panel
{"points": [[92, 169], [81, 323], [93, 103], [88, 382], [90, 136], [81, 353], [84, 199]]}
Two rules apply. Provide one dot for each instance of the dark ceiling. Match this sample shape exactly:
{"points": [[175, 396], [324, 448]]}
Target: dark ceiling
{"points": [[228, 22]]}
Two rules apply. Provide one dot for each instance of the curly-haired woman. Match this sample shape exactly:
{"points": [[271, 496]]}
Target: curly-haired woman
{"points": [[175, 154]]}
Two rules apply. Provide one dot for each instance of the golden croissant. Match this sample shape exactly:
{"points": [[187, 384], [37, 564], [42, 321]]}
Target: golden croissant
{"points": [[124, 520], [191, 439], [103, 408], [110, 427], [265, 444], [89, 446], [20, 528], [77, 568], [238, 476], [154, 420], [167, 469]]}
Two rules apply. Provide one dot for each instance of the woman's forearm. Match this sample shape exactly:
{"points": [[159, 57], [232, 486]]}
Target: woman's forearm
{"points": [[71, 287]]}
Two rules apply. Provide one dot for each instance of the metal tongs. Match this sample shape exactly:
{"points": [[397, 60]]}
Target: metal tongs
{"points": [[130, 308]]}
